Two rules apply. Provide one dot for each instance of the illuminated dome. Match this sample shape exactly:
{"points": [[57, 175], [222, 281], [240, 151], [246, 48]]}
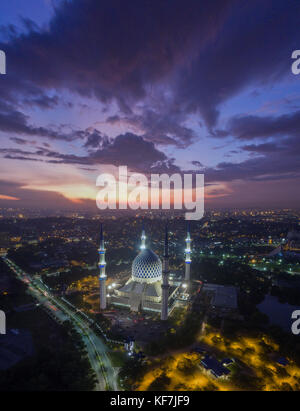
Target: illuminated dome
{"points": [[146, 267]]}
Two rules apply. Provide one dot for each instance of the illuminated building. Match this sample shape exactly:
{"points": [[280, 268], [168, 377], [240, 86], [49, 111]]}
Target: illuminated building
{"points": [[165, 282], [102, 276], [293, 242], [188, 255], [147, 289], [143, 239], [291, 246]]}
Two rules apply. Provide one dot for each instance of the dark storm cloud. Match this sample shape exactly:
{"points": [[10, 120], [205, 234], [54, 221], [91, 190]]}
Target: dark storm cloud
{"points": [[251, 127], [126, 149], [252, 48], [14, 121], [12, 157], [197, 163], [15, 151], [273, 162], [165, 129], [21, 141], [95, 140], [162, 128], [276, 159], [198, 53], [262, 148], [43, 101], [111, 48], [18, 154], [204, 51], [133, 151]]}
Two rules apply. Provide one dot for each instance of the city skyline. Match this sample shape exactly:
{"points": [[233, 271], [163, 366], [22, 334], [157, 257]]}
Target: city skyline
{"points": [[163, 87]]}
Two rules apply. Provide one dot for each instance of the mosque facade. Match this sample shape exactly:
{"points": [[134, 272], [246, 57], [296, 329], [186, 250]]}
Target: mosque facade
{"points": [[148, 289]]}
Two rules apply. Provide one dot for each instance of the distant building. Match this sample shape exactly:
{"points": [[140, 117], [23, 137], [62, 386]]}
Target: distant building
{"points": [[277, 251], [223, 298], [293, 241], [214, 367], [290, 247], [129, 345], [227, 361]]}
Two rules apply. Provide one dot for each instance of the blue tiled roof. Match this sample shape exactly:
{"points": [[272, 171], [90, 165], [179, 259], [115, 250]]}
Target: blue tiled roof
{"points": [[214, 366], [147, 266]]}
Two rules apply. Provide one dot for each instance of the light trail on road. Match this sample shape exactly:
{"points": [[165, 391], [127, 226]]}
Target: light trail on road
{"points": [[96, 349]]}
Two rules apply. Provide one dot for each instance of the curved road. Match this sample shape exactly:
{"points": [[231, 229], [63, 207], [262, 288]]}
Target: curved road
{"points": [[96, 349]]}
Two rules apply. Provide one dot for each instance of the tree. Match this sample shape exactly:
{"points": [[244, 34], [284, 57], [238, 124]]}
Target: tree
{"points": [[160, 383]]}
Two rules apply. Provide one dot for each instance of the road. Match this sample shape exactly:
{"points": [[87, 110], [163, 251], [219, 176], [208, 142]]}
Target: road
{"points": [[61, 311]]}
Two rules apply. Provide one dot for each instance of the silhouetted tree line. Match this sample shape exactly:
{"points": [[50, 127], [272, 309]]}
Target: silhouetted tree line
{"points": [[61, 367]]}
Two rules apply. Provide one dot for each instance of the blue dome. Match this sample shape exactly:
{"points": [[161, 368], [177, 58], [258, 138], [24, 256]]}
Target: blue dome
{"points": [[146, 267]]}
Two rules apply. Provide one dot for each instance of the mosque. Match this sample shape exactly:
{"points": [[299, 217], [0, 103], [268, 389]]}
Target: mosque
{"points": [[148, 289]]}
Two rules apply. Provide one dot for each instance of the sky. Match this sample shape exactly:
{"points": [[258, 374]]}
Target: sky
{"points": [[165, 86]]}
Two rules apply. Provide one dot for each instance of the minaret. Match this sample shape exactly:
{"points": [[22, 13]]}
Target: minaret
{"points": [[188, 255], [143, 239], [102, 276], [165, 280]]}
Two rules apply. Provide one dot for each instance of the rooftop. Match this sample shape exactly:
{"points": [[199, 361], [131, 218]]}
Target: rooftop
{"points": [[224, 296], [214, 366]]}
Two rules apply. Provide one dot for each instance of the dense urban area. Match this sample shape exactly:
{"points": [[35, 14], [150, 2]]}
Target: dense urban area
{"points": [[49, 283]]}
